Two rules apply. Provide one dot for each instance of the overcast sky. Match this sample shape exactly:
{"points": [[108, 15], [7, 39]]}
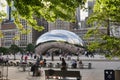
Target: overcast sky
{"points": [[3, 2]]}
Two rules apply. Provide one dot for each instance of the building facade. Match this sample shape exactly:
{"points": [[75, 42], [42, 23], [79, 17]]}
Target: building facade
{"points": [[59, 24], [10, 32]]}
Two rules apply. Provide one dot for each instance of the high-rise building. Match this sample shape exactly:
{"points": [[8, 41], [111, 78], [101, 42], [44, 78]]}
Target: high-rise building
{"points": [[82, 17], [10, 31], [90, 6], [115, 30], [59, 24]]}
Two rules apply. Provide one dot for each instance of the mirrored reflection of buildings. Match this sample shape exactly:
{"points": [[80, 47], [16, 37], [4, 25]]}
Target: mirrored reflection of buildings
{"points": [[61, 40]]}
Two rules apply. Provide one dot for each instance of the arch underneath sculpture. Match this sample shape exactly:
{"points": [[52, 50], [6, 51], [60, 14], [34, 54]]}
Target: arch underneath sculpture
{"points": [[44, 47]]}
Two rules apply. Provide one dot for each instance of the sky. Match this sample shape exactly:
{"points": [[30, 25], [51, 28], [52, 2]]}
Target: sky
{"points": [[3, 9], [3, 2], [84, 13]]}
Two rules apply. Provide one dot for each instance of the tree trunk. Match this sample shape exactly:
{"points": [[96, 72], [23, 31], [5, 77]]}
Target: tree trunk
{"points": [[108, 28], [14, 57]]}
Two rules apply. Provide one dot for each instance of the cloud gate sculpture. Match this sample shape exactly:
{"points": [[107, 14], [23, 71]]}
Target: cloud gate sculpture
{"points": [[61, 39]]}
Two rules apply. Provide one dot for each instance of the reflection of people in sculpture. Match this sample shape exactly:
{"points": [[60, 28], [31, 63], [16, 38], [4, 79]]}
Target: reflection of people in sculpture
{"points": [[44, 63], [60, 57], [63, 65]]}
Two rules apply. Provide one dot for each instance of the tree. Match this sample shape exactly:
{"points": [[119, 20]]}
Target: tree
{"points": [[2, 15], [14, 49], [30, 48], [22, 51], [105, 14], [50, 10], [2, 12], [4, 50]]}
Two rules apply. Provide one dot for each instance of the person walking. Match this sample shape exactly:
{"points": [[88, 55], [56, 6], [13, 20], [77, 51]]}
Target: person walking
{"points": [[35, 70]]}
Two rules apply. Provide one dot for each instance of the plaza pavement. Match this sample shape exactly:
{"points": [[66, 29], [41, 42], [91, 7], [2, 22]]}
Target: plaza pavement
{"points": [[99, 64]]}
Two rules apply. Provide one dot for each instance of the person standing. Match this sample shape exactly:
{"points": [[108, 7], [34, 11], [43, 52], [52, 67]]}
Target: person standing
{"points": [[6, 60], [63, 65], [74, 63], [80, 64], [34, 69], [26, 58]]}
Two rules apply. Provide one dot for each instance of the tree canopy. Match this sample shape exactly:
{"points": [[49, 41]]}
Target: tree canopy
{"points": [[30, 48], [50, 10], [4, 50], [107, 9], [14, 49], [105, 14]]}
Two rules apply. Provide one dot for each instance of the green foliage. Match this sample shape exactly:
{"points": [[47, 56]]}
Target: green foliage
{"points": [[2, 11], [105, 11], [50, 10], [30, 48], [93, 46], [4, 50], [111, 44], [1, 34], [9, 2], [108, 44], [14, 49], [21, 50], [2, 15]]}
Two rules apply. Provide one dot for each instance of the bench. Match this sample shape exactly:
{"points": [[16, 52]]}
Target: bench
{"points": [[58, 74], [52, 65], [89, 66]]}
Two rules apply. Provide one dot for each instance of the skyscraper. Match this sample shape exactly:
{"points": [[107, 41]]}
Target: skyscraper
{"points": [[59, 24], [10, 30]]}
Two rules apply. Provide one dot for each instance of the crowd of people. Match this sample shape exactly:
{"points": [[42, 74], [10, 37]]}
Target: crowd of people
{"points": [[4, 60], [40, 61]]}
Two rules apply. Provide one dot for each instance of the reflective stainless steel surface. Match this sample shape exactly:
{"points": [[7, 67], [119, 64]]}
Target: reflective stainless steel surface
{"points": [[61, 39], [60, 36]]}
